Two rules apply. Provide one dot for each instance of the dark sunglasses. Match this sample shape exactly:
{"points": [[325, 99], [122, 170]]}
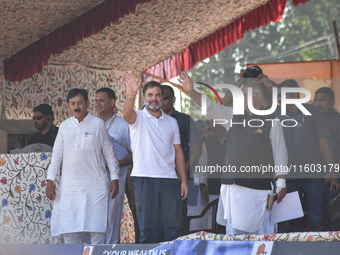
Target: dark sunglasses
{"points": [[38, 117], [166, 97]]}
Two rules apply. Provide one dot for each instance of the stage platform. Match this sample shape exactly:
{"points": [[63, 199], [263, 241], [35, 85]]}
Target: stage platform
{"points": [[309, 243]]}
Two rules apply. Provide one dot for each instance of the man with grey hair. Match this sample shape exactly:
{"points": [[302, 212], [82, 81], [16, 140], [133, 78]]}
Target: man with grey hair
{"points": [[243, 199]]}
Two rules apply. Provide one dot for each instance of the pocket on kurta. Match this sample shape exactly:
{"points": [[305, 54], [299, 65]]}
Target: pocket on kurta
{"points": [[88, 142]]}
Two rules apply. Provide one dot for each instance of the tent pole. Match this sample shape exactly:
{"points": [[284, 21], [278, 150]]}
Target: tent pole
{"points": [[336, 38]]}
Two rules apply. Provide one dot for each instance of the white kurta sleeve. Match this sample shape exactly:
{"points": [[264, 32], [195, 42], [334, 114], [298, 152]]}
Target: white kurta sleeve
{"points": [[57, 155], [279, 147], [219, 112], [109, 152]]}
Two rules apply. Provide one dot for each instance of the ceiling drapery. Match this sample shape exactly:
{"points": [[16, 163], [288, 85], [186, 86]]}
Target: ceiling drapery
{"points": [[30, 60], [221, 39], [202, 28]]}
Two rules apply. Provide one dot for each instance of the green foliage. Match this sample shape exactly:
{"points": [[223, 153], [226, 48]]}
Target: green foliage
{"points": [[305, 33]]}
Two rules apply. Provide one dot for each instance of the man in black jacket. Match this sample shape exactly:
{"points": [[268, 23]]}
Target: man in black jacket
{"points": [[252, 142]]}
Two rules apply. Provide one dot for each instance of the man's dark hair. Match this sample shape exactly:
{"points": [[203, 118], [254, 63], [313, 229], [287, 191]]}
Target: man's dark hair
{"points": [[76, 92], [152, 84], [290, 83], [45, 109], [328, 91], [110, 93], [171, 90]]}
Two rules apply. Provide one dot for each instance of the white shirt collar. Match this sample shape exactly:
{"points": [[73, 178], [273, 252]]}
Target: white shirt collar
{"points": [[148, 115], [86, 117]]}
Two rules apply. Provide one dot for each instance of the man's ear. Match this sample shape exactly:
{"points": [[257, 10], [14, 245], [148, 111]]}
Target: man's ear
{"points": [[174, 99], [112, 102]]}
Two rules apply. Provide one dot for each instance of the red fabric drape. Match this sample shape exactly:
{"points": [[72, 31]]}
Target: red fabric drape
{"points": [[28, 61], [221, 39], [297, 2]]}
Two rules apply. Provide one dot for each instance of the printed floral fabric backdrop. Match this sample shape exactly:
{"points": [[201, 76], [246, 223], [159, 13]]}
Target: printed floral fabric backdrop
{"points": [[52, 85], [25, 211], [127, 229]]}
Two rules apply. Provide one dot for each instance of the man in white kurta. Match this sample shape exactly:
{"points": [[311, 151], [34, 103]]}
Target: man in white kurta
{"points": [[82, 147], [242, 209], [120, 137]]}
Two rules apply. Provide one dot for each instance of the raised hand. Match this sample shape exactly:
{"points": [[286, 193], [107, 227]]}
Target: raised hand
{"points": [[131, 83], [265, 80], [186, 82], [240, 81]]}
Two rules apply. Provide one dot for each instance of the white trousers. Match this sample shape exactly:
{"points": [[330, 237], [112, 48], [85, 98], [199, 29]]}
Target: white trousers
{"points": [[96, 237], [114, 215]]}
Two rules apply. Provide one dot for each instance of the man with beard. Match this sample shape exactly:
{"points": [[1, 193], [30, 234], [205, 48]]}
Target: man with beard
{"points": [[157, 154], [43, 121], [82, 148]]}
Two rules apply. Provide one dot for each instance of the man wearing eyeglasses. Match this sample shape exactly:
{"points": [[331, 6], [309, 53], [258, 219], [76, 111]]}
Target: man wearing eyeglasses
{"points": [[191, 143], [43, 120]]}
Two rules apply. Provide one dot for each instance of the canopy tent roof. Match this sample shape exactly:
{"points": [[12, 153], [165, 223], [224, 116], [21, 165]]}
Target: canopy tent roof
{"points": [[24, 22], [124, 34]]}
